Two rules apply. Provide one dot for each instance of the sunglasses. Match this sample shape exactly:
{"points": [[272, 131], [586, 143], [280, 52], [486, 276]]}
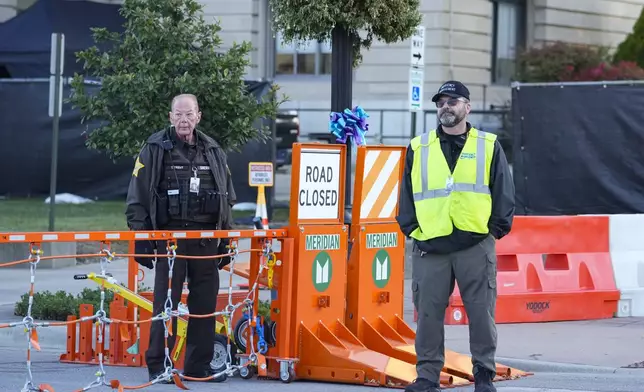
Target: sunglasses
{"points": [[450, 102]]}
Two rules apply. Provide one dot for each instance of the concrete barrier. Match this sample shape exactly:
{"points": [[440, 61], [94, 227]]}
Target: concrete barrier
{"points": [[627, 253]]}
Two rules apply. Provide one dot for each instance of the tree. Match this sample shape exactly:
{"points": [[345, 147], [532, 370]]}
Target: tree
{"points": [[632, 48], [387, 20], [166, 49]]}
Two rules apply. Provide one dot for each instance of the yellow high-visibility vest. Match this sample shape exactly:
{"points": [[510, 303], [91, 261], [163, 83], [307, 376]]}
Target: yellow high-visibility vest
{"points": [[444, 199]]}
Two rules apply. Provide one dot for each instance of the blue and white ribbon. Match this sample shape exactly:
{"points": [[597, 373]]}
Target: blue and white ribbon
{"points": [[349, 124]]}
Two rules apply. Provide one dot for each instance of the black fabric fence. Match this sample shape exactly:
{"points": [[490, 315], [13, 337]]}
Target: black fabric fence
{"points": [[578, 148]]}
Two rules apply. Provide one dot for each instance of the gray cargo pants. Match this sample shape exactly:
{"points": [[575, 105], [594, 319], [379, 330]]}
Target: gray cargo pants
{"points": [[433, 282]]}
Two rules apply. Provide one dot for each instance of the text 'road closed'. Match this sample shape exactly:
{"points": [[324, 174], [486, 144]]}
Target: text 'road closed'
{"points": [[318, 194]]}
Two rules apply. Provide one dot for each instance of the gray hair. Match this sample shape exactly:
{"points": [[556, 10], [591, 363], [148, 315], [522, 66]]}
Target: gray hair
{"points": [[191, 96]]}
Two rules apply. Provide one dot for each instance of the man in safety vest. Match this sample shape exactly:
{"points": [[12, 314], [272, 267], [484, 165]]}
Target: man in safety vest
{"points": [[457, 197]]}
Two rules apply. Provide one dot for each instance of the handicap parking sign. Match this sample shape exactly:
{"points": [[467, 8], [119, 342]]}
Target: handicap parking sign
{"points": [[415, 93]]}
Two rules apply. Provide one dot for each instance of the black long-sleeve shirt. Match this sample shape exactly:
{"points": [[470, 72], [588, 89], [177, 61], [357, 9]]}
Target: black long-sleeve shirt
{"points": [[501, 190]]}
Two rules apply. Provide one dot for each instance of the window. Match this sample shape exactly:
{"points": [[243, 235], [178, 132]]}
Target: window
{"points": [[304, 58], [508, 38]]}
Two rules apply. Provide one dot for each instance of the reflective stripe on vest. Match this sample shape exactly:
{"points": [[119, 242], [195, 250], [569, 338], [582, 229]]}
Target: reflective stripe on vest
{"points": [[479, 187]]}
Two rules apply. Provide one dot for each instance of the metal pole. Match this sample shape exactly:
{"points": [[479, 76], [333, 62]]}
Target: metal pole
{"points": [[342, 93], [55, 128], [413, 124], [382, 128]]}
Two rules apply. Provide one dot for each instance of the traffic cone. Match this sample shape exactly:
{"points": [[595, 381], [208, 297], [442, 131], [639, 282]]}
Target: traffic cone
{"points": [[260, 211]]}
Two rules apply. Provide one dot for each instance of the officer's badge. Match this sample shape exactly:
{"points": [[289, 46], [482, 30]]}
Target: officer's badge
{"points": [[137, 166]]}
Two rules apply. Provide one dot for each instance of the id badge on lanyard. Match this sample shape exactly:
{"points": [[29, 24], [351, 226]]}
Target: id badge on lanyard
{"points": [[194, 181]]}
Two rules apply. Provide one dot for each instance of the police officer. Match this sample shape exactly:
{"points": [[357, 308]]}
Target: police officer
{"points": [[181, 181], [457, 198]]}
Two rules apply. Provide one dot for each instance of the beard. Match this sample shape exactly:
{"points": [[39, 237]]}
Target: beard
{"points": [[449, 119]]}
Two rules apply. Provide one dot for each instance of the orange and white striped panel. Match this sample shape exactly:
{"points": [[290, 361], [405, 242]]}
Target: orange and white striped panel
{"points": [[380, 184]]}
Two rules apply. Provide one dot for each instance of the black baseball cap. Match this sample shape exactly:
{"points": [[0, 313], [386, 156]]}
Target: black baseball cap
{"points": [[454, 89]]}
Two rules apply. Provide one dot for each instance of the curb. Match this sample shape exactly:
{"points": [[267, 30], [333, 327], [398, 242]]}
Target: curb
{"points": [[529, 365]]}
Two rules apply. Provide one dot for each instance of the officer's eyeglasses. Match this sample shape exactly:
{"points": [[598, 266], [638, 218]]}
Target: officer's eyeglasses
{"points": [[450, 102], [189, 116]]}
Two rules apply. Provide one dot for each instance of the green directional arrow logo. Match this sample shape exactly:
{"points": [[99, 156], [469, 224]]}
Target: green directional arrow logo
{"points": [[322, 271], [381, 268]]}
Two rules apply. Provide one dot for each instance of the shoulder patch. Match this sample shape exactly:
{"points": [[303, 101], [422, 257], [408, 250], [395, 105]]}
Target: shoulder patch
{"points": [[137, 166]]}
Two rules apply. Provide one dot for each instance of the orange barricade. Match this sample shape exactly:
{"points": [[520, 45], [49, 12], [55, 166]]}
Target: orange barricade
{"points": [[327, 350], [551, 269], [332, 318], [375, 292]]}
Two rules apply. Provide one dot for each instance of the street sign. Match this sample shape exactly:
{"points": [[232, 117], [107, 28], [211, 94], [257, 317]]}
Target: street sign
{"points": [[56, 67], [417, 53], [416, 81], [260, 174], [319, 188]]}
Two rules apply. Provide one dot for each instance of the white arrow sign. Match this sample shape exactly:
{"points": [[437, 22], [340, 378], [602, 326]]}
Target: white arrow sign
{"points": [[417, 53]]}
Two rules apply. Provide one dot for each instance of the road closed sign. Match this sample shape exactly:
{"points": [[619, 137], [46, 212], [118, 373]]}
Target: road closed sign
{"points": [[319, 189]]}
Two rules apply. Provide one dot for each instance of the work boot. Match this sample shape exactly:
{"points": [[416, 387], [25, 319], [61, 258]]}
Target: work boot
{"points": [[422, 385], [155, 375], [483, 380]]}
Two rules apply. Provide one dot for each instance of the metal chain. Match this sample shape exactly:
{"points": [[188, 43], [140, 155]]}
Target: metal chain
{"points": [[166, 316], [28, 320], [101, 321]]}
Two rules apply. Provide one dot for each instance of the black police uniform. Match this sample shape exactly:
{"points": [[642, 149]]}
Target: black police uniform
{"points": [[176, 186]]}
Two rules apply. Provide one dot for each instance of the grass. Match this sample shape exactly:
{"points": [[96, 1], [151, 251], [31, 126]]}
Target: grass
{"points": [[23, 215], [29, 215]]}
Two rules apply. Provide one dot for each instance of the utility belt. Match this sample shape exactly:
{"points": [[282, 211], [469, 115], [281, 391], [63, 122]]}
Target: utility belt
{"points": [[184, 206]]}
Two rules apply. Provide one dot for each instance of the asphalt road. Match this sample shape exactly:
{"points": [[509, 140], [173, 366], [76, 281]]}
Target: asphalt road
{"points": [[67, 378]]}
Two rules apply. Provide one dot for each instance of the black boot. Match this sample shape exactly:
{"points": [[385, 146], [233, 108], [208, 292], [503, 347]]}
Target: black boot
{"points": [[154, 374], [483, 380], [422, 385]]}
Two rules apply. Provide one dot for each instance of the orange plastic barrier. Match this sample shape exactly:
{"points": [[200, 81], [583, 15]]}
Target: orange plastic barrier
{"points": [[375, 292], [551, 269]]}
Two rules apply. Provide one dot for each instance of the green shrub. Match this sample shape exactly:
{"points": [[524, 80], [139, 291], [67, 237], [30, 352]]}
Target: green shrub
{"points": [[264, 309], [632, 48], [567, 62], [57, 306], [552, 62]]}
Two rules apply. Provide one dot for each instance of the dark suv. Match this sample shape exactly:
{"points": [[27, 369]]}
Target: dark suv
{"points": [[287, 130]]}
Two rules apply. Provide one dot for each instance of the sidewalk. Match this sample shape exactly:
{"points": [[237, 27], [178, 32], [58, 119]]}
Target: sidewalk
{"points": [[611, 343]]}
